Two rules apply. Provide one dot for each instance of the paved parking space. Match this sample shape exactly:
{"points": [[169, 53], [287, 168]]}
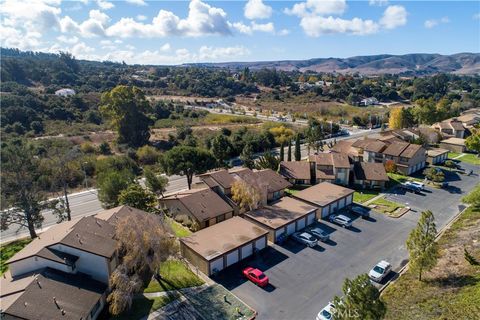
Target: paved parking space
{"points": [[303, 280]]}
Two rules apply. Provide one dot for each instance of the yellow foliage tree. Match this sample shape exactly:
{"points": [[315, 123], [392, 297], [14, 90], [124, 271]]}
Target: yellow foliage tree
{"points": [[247, 196], [282, 134], [396, 118]]}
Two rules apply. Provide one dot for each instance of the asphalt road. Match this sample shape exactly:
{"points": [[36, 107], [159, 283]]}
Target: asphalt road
{"points": [[303, 280]]}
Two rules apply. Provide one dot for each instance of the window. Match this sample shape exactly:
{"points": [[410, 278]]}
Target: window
{"points": [[276, 195], [220, 218]]}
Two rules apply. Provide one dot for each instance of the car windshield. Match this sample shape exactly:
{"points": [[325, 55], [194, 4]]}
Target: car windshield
{"points": [[326, 314], [378, 269], [308, 237], [261, 276]]}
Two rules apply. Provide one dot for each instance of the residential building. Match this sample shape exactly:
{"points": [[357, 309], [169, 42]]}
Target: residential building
{"points": [[370, 175], [283, 217], [453, 145], [303, 173], [217, 247], [437, 155], [197, 208], [371, 149], [369, 101], [346, 147], [408, 157], [450, 128], [327, 197], [333, 164]]}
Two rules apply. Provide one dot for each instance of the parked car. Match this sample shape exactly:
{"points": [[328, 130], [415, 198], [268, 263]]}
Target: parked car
{"points": [[326, 313], [305, 238], [380, 271], [361, 211], [256, 276], [320, 234], [419, 184], [409, 186], [341, 220]]}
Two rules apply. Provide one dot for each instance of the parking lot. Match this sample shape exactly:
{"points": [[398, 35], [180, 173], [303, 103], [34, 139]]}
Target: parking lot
{"points": [[303, 280]]}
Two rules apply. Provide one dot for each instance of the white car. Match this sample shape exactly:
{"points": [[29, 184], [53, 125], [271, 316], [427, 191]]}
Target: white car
{"points": [[326, 313], [380, 271], [341, 220], [418, 184], [305, 238]]}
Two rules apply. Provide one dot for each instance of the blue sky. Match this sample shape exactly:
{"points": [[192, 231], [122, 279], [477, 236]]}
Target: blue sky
{"points": [[173, 32]]}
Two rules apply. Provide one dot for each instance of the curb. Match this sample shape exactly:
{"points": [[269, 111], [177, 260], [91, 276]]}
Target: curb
{"points": [[437, 237]]}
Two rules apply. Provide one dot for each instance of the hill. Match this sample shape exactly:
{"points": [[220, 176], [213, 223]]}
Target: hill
{"points": [[409, 64]]}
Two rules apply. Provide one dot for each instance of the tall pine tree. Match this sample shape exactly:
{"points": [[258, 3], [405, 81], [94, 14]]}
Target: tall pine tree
{"points": [[298, 155], [282, 151], [289, 155]]}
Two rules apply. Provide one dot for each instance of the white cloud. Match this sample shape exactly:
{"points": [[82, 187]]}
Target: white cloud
{"points": [[166, 47], [394, 16], [202, 19], [317, 7], [476, 16], [256, 9], [433, 22], [105, 5], [316, 26], [95, 25], [249, 29], [284, 32], [379, 3], [81, 50], [216, 54], [68, 40], [129, 47], [137, 2], [141, 17], [14, 38], [36, 15]]}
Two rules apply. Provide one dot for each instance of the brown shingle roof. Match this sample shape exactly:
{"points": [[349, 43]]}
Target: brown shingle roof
{"points": [[275, 181], [340, 160], [222, 177], [411, 150], [114, 214], [203, 204], [396, 148], [322, 159], [375, 146], [281, 212], [323, 193], [295, 170], [434, 152], [75, 294], [337, 160], [457, 125], [222, 237], [370, 171], [454, 141], [345, 146]]}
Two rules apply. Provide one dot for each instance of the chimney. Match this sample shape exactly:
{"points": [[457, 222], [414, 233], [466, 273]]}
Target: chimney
{"points": [[313, 172], [56, 303]]}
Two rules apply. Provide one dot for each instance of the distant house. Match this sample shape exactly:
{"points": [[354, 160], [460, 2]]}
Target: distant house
{"points": [[65, 92], [370, 175], [333, 164], [469, 119], [201, 207], [301, 173], [453, 145], [450, 128], [369, 101], [437, 155]]}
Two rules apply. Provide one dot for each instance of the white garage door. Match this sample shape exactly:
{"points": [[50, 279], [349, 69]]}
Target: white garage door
{"points": [[342, 203], [291, 228], [261, 243], [333, 207], [247, 250], [325, 212], [349, 199], [300, 224], [278, 233], [232, 258], [311, 218], [216, 265]]}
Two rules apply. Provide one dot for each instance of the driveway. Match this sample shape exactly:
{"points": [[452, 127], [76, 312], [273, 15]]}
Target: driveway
{"points": [[303, 280]]}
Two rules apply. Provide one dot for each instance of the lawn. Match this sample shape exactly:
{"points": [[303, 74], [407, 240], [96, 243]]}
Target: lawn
{"points": [[452, 289], [208, 119], [470, 158], [142, 307], [174, 275], [452, 155], [7, 251], [179, 230], [364, 195], [385, 206]]}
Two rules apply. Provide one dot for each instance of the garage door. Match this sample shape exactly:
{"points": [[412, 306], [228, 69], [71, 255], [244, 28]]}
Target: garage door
{"points": [[291, 228], [232, 258], [261, 243], [300, 224], [342, 203], [247, 250], [216, 265], [278, 233], [349, 199], [310, 218], [325, 212], [333, 207]]}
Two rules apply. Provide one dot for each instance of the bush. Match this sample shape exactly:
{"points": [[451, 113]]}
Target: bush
{"points": [[104, 148], [390, 166], [87, 147], [450, 164], [148, 155], [434, 174]]}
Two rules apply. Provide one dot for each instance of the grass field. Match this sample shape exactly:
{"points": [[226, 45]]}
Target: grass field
{"points": [[209, 119], [174, 275], [142, 307], [364, 195], [470, 158], [452, 289], [452, 155], [179, 230], [7, 251]]}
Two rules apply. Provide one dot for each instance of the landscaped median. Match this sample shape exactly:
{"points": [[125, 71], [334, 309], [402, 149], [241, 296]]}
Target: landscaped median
{"points": [[452, 289], [390, 208], [174, 275]]}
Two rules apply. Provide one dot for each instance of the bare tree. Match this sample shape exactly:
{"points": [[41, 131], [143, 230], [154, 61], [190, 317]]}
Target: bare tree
{"points": [[143, 243]]}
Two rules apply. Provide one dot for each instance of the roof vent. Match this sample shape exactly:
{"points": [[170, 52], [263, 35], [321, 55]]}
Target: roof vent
{"points": [[98, 222], [80, 241], [63, 312], [25, 303], [56, 303], [38, 283]]}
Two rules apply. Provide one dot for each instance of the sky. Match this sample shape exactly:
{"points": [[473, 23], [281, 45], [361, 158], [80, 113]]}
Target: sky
{"points": [[175, 32]]}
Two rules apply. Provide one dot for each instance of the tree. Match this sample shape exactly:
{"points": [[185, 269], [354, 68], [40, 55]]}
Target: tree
{"points": [[104, 148], [281, 134], [142, 247], [434, 174], [298, 154], [247, 156], [148, 155], [156, 184], [282, 152], [110, 184], [314, 135], [186, 160], [221, 149], [247, 196], [473, 142], [125, 109], [395, 121], [268, 161], [390, 166], [289, 152], [22, 196], [136, 196], [422, 248], [361, 300]]}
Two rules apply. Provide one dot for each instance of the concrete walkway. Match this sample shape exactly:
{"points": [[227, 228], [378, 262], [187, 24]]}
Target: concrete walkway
{"points": [[459, 156], [168, 293]]}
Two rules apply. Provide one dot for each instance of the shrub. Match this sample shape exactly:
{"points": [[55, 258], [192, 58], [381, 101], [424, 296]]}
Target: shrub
{"points": [[390, 166], [87, 147], [104, 148], [450, 164], [148, 155]]}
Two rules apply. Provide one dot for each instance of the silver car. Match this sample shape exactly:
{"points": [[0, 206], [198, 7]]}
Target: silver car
{"points": [[305, 238], [341, 220], [320, 234]]}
